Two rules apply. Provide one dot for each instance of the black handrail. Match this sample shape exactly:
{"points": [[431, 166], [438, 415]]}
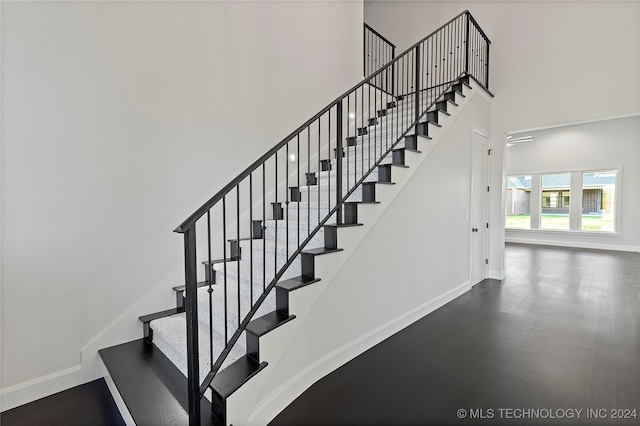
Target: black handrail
{"points": [[418, 77], [380, 36]]}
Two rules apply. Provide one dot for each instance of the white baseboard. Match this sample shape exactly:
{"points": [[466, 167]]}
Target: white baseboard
{"points": [[40, 387], [496, 275], [267, 409], [573, 244]]}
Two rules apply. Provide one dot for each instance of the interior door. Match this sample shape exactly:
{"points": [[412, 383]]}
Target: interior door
{"points": [[479, 195]]}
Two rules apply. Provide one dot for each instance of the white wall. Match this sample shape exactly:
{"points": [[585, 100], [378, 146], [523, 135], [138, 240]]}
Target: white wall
{"points": [[600, 145], [551, 63], [120, 119]]}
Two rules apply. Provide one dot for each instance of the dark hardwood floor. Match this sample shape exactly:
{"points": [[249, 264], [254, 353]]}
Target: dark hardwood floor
{"points": [[90, 404], [560, 334]]}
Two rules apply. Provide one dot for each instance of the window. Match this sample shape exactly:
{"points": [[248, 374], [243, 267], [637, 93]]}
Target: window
{"points": [[518, 202], [595, 209], [598, 201], [555, 201]]}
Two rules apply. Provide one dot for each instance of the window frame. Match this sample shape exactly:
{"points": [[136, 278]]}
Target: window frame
{"points": [[573, 198]]}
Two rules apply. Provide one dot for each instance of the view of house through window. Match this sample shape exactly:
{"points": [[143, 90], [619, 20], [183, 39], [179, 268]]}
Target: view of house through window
{"points": [[555, 201], [598, 201], [518, 202]]}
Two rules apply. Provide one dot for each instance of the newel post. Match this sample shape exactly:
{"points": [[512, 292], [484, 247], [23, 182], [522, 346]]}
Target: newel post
{"points": [[191, 315]]}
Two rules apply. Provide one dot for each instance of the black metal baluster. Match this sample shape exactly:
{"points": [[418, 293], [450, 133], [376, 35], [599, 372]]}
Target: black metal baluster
{"points": [[264, 228], [355, 169], [287, 191], [440, 55], [369, 133], [224, 265], [380, 62], [377, 126], [251, 236], [319, 167], [406, 103], [396, 89], [328, 150], [450, 53], [210, 287], [299, 198], [472, 46], [238, 237], [309, 171], [339, 162], [356, 133], [417, 84], [474, 51], [392, 69], [457, 47], [349, 134], [432, 64], [400, 106], [275, 252], [423, 78], [460, 45]]}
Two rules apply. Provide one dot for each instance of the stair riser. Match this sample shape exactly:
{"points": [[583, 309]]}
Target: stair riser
{"points": [[218, 311], [326, 180], [270, 252], [309, 216], [296, 231], [325, 199], [170, 338], [356, 167], [268, 263]]}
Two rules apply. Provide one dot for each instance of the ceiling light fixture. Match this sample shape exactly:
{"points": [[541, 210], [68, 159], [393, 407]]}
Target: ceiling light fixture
{"points": [[523, 139]]}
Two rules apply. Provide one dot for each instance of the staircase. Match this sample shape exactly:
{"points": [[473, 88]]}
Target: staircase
{"points": [[260, 239]]}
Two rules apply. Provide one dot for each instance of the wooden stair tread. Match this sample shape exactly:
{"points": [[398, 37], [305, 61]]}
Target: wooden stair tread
{"points": [[266, 323], [296, 282], [183, 287], [160, 314], [230, 379], [320, 251], [152, 387]]}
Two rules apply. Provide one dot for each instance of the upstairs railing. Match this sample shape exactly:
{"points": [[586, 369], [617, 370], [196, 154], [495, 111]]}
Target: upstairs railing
{"points": [[227, 232], [378, 52]]}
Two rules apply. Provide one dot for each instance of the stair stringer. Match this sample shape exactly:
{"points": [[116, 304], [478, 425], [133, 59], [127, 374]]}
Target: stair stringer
{"points": [[265, 395]]}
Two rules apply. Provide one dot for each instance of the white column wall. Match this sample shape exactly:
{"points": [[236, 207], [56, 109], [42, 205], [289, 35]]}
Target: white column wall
{"points": [[575, 202], [535, 201], [119, 120]]}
